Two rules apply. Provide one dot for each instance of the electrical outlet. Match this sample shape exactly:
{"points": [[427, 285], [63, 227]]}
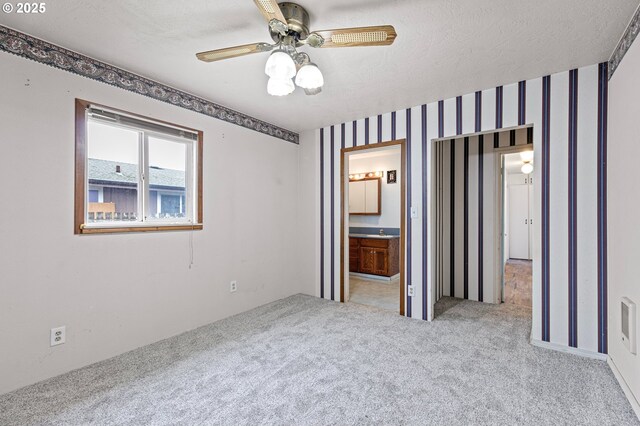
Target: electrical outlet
{"points": [[410, 291], [233, 287], [58, 335]]}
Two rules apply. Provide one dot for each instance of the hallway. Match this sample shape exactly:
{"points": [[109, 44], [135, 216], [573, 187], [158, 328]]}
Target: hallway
{"points": [[518, 282]]}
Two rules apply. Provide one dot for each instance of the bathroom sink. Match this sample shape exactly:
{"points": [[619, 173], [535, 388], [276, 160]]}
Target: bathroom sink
{"points": [[373, 236]]}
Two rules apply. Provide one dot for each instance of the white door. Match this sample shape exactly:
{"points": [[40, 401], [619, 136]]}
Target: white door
{"points": [[518, 179], [356, 197], [519, 221]]}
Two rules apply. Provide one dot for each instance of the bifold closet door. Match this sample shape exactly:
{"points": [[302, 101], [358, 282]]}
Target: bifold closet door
{"points": [[519, 221]]}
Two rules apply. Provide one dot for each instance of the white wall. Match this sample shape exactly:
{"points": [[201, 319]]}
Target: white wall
{"points": [[118, 292], [390, 192], [309, 212], [623, 204]]}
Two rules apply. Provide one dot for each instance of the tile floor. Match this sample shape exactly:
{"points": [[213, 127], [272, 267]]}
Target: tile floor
{"points": [[382, 294]]}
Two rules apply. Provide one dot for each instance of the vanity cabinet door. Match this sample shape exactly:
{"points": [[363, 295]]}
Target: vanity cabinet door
{"points": [[374, 260], [366, 260], [380, 261]]}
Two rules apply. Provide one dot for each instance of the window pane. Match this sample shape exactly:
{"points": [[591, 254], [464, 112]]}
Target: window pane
{"points": [[167, 179], [113, 169], [94, 195], [171, 204]]}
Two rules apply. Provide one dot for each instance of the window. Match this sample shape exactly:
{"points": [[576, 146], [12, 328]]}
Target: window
{"points": [[94, 195], [134, 173]]}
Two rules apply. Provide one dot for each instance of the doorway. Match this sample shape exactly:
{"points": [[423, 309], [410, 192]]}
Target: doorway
{"points": [[372, 231], [468, 245], [517, 227]]}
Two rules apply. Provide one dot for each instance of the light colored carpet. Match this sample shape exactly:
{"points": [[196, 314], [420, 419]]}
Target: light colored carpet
{"points": [[304, 360], [444, 304], [382, 294]]}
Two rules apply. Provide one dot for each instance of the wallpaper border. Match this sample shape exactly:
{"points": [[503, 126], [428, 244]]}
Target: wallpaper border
{"points": [[625, 42], [38, 50]]}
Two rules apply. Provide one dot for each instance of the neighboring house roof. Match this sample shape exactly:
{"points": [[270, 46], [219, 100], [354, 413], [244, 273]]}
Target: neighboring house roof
{"points": [[104, 172]]}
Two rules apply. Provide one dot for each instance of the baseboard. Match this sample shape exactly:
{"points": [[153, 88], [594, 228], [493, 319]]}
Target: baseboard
{"points": [[374, 277], [569, 350], [625, 388]]}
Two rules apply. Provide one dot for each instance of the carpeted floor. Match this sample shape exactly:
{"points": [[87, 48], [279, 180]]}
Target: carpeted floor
{"points": [[304, 360], [378, 293]]}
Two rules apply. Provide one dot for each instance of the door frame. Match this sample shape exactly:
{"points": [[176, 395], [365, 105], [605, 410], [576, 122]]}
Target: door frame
{"points": [[403, 209], [497, 281]]}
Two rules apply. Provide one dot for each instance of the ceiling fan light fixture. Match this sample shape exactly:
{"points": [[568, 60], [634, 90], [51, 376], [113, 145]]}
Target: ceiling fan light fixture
{"points": [[280, 66], [280, 86], [289, 28], [309, 77], [313, 92]]}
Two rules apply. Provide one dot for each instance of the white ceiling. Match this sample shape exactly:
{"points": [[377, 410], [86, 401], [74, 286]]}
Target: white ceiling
{"points": [[444, 48]]}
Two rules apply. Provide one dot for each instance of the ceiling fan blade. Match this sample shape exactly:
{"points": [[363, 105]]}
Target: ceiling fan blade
{"points": [[233, 52], [349, 37], [270, 10]]}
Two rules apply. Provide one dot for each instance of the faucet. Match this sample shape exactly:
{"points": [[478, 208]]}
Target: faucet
{"points": [[381, 231]]}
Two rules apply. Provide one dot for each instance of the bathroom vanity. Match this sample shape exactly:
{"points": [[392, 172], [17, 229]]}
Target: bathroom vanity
{"points": [[374, 254]]}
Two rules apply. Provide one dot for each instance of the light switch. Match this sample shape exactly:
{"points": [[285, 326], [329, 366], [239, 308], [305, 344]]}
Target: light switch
{"points": [[414, 212]]}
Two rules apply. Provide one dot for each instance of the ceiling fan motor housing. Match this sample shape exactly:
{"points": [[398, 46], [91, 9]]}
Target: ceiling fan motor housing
{"points": [[297, 19]]}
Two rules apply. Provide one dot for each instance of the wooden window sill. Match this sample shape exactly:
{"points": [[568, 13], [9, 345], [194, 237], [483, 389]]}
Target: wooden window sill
{"points": [[142, 228]]}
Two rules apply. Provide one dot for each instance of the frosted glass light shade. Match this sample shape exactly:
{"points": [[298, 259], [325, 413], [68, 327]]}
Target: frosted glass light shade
{"points": [[526, 168], [526, 156], [309, 77], [280, 65], [280, 86], [313, 92]]}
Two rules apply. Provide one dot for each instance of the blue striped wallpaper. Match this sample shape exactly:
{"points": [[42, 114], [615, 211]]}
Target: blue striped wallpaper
{"points": [[568, 119]]}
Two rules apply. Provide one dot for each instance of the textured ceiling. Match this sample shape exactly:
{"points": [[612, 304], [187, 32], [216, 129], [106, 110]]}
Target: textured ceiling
{"points": [[444, 48]]}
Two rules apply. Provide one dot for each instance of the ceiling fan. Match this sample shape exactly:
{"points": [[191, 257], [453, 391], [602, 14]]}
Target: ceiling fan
{"points": [[289, 29]]}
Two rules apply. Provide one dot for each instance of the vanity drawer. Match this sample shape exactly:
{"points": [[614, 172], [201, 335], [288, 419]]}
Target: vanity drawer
{"points": [[373, 242]]}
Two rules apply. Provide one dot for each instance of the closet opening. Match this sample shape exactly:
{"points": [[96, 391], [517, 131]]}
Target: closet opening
{"points": [[482, 218]]}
